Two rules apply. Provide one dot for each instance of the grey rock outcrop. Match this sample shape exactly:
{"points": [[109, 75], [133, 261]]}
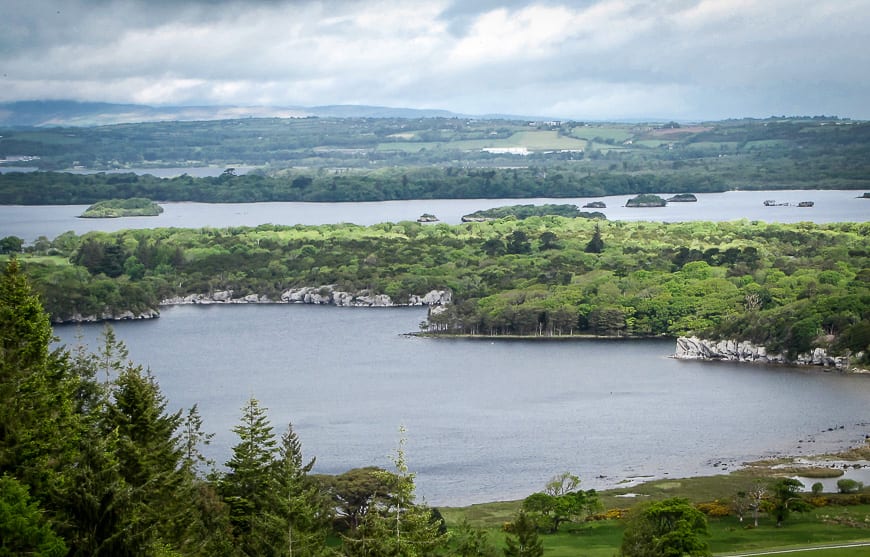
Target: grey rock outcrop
{"points": [[126, 315], [320, 295], [694, 348]]}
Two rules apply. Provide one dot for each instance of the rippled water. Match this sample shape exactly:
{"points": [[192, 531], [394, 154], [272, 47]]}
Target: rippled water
{"points": [[29, 222], [485, 420]]}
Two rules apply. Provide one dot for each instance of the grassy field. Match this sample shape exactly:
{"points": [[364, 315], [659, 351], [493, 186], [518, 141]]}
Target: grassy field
{"points": [[823, 526], [614, 132], [533, 140]]}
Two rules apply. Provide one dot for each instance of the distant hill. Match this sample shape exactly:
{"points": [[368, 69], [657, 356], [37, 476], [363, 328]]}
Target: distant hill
{"points": [[84, 114]]}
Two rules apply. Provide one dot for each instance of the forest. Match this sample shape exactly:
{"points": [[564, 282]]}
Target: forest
{"points": [[789, 287], [370, 159]]}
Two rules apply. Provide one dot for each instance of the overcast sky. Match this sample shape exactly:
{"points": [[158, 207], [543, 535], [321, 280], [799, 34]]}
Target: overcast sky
{"points": [[586, 59]]}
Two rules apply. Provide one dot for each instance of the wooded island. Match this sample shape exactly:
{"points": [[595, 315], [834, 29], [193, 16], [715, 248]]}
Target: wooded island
{"points": [[788, 287]]}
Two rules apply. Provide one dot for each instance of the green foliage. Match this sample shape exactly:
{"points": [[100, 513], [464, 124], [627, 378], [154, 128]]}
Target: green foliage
{"points": [[24, 529], [782, 286], [114, 208], [526, 211], [469, 541], [646, 200], [522, 539], [847, 485], [249, 486], [396, 524], [560, 502], [671, 527], [11, 244], [398, 158], [785, 498]]}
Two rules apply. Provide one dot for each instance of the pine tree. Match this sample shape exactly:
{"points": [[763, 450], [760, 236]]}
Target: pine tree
{"points": [[303, 510], [249, 486], [39, 425], [523, 540], [149, 452], [24, 529], [596, 244]]}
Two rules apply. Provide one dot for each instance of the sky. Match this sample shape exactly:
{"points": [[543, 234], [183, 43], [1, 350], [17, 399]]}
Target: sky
{"points": [[585, 59]]}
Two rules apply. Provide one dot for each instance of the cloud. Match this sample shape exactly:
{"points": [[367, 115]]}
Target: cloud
{"points": [[688, 59]]}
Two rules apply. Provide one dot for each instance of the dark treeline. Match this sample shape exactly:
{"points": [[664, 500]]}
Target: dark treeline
{"points": [[788, 287], [38, 188]]}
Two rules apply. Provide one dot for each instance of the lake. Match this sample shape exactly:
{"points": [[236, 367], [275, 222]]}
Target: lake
{"points": [[485, 420], [30, 222]]}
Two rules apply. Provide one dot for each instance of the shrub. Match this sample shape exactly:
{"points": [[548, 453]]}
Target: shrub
{"points": [[714, 508], [847, 485], [818, 488]]}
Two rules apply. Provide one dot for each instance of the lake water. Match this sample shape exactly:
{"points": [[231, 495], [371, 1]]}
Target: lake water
{"points": [[29, 222], [485, 420]]}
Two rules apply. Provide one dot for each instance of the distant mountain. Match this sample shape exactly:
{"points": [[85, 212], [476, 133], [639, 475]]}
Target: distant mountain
{"points": [[85, 114]]}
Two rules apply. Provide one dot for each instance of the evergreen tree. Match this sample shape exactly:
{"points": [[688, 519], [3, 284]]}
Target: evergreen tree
{"points": [[39, 425], [149, 452], [522, 539], [596, 244], [192, 437], [303, 510], [473, 542], [249, 487], [24, 529]]}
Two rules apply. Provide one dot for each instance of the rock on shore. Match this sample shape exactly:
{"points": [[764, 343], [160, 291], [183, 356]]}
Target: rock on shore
{"points": [[694, 348], [322, 295], [126, 315]]}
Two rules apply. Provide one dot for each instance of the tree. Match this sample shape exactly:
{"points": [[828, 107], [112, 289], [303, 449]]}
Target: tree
{"points": [[397, 525], [354, 491], [472, 542], [302, 509], [518, 242], [149, 452], [249, 487], [667, 528], [548, 241], [38, 422], [11, 244], [848, 485], [756, 499], [785, 498], [522, 539], [24, 529], [596, 244], [560, 502]]}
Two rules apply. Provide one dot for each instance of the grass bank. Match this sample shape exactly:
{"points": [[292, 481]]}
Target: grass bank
{"points": [[822, 528]]}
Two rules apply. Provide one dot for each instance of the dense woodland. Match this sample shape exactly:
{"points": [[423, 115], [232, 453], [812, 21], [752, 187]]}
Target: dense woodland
{"points": [[788, 287], [369, 159]]}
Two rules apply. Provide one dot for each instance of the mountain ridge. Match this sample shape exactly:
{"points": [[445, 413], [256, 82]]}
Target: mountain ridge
{"points": [[61, 113]]}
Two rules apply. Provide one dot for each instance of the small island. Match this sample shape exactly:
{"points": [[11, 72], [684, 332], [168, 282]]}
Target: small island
{"points": [[646, 200], [427, 217], [114, 208], [521, 212], [683, 198], [595, 205]]}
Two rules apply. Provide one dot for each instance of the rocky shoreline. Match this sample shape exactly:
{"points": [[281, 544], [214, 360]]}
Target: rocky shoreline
{"points": [[694, 348], [318, 295]]}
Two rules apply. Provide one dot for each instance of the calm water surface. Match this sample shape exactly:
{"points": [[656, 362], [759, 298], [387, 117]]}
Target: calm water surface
{"points": [[29, 222], [485, 421]]}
